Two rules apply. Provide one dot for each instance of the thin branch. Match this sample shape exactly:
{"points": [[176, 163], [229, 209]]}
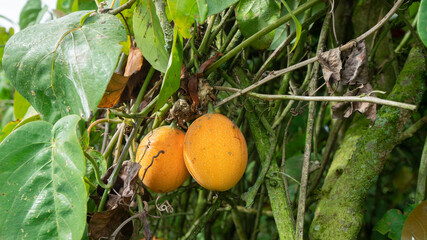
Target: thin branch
{"points": [[409, 132], [127, 5], [309, 134], [278, 73], [257, 35], [368, 99]]}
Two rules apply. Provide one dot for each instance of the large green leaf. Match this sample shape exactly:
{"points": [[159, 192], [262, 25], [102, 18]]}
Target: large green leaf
{"points": [[149, 35], [30, 116], [217, 6], [183, 13], [4, 36], [29, 13], [63, 68], [422, 21], [172, 79], [253, 16], [43, 194], [202, 8], [20, 105]]}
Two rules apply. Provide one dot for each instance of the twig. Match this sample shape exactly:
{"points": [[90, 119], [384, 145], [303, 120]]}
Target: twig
{"points": [[278, 73], [309, 134], [409, 132], [257, 35], [127, 5], [102, 120], [256, 229], [323, 98], [286, 43], [283, 167], [206, 37]]}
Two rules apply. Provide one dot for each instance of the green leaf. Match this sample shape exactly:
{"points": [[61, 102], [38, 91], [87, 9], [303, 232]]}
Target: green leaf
{"points": [[172, 79], [217, 6], [183, 13], [392, 222], [20, 106], [87, 5], [149, 35], [31, 116], [64, 5], [296, 22], [281, 33], [102, 166], [43, 194], [4, 36], [29, 13], [422, 21], [253, 16], [202, 7], [63, 68], [8, 129]]}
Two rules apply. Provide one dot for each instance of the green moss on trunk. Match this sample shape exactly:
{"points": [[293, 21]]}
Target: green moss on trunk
{"points": [[339, 214]]}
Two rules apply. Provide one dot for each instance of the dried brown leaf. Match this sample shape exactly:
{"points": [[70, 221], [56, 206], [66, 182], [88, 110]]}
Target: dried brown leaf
{"points": [[331, 64], [355, 69], [114, 90], [346, 109], [207, 63], [125, 186], [134, 62], [193, 91], [103, 224], [416, 224]]}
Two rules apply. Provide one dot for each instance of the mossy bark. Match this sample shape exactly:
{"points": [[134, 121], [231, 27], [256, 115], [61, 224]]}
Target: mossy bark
{"points": [[339, 213], [273, 178]]}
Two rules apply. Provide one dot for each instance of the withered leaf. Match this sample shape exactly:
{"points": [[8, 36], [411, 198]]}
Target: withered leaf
{"points": [[331, 64], [416, 224], [125, 186], [355, 65], [193, 91], [346, 109], [103, 224], [134, 62], [207, 63], [114, 90]]}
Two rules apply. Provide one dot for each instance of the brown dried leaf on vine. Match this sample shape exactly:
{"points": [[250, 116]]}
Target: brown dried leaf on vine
{"points": [[134, 63], [193, 91], [355, 71], [207, 63], [341, 69], [114, 90], [346, 109], [125, 188], [415, 226], [103, 224], [331, 64]]}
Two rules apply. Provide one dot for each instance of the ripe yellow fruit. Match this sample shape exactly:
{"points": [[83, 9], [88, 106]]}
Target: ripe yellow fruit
{"points": [[168, 170], [215, 152]]}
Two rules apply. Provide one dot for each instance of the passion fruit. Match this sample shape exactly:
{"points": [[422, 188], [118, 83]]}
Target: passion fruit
{"points": [[215, 152], [167, 171]]}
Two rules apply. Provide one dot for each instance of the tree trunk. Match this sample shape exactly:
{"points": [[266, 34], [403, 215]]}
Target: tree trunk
{"points": [[339, 213]]}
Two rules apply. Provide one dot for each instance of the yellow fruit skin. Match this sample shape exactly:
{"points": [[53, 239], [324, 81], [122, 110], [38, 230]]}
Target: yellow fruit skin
{"points": [[168, 171], [215, 152]]}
